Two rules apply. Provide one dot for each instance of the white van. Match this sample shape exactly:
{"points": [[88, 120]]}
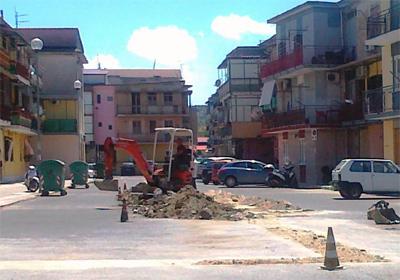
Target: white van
{"points": [[352, 177]]}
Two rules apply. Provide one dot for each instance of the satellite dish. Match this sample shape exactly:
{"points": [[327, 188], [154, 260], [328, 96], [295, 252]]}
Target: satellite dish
{"points": [[217, 83]]}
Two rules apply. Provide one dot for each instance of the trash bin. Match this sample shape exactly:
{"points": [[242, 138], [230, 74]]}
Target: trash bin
{"points": [[80, 173], [52, 176], [99, 170]]}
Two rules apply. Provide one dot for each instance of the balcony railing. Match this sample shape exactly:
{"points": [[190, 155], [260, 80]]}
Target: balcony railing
{"points": [[142, 138], [382, 100], [151, 110], [309, 56], [307, 115], [23, 118], [388, 21], [60, 126]]}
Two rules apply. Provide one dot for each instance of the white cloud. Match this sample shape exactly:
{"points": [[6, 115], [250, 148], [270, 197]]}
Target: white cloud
{"points": [[168, 45], [106, 61], [234, 26]]}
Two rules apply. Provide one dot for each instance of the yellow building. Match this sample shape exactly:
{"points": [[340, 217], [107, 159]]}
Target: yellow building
{"points": [[384, 31]]}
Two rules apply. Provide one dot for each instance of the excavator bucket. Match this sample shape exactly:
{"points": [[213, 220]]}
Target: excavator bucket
{"points": [[382, 214], [107, 185]]}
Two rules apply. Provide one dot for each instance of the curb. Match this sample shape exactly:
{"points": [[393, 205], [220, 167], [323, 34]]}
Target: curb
{"points": [[17, 201], [329, 188]]}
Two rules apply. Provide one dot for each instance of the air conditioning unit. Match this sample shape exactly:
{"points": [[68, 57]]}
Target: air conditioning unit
{"points": [[371, 48], [333, 77], [361, 72]]}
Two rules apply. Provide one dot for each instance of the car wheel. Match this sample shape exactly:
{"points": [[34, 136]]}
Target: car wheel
{"points": [[230, 181], [45, 193], [344, 194], [216, 183], [355, 191], [63, 193]]}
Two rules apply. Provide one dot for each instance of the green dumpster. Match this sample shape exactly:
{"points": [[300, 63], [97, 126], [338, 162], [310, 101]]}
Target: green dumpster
{"points": [[52, 176], [80, 173], [99, 170]]}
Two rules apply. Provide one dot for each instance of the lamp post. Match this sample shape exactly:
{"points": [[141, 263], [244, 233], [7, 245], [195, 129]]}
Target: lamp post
{"points": [[78, 87], [36, 46]]}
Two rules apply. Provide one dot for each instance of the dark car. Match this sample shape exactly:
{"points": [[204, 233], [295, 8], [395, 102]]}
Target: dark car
{"points": [[243, 172], [128, 169]]}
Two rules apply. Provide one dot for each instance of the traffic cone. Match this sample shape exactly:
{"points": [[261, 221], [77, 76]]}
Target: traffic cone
{"points": [[331, 261], [124, 212]]}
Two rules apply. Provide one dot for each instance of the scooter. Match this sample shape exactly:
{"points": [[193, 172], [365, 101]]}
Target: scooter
{"points": [[282, 178], [32, 181]]}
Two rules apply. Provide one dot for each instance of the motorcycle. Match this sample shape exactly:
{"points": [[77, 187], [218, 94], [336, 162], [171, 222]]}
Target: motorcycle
{"points": [[282, 178], [32, 181]]}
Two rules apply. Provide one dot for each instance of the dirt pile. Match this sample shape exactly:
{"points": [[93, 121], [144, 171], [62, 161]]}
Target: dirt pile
{"points": [[256, 203], [188, 203]]}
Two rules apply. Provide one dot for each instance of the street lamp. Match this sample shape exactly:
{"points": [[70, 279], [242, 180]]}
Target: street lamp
{"points": [[78, 87], [37, 45]]}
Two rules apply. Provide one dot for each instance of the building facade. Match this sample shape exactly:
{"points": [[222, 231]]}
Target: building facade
{"points": [[60, 64], [131, 103], [18, 95]]}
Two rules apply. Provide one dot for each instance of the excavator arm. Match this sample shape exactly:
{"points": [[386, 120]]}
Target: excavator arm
{"points": [[130, 146]]}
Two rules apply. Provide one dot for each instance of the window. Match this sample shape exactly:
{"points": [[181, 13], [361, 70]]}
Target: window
{"points": [[152, 126], [136, 127], [384, 167], [239, 165], [109, 98], [98, 99], [100, 124], [302, 151], [110, 127], [255, 166], [361, 166], [168, 123], [8, 148], [168, 99], [152, 98]]}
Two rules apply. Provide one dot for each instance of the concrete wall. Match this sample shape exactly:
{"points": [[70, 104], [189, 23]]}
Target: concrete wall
{"points": [[61, 147], [104, 113], [59, 71], [13, 170], [60, 109]]}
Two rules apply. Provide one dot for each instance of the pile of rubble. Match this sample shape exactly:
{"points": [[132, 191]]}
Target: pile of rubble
{"points": [[188, 203]]}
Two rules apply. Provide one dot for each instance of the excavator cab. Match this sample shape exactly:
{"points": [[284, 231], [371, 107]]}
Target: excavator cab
{"points": [[174, 172]]}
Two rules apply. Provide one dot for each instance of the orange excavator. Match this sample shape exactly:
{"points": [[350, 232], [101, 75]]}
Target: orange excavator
{"points": [[172, 174]]}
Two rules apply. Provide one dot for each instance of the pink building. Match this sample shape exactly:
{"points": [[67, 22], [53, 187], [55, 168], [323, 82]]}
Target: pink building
{"points": [[103, 113]]}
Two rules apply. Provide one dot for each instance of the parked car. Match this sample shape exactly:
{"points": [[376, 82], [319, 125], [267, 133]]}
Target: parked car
{"points": [[243, 172], [210, 173], [128, 169], [92, 170], [201, 163], [352, 177]]}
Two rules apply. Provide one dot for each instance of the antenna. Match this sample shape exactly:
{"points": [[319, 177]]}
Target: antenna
{"points": [[17, 18]]}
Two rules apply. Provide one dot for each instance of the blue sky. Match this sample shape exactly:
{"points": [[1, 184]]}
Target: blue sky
{"points": [[194, 35]]}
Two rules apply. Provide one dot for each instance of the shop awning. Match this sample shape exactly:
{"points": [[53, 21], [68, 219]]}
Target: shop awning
{"points": [[267, 94]]}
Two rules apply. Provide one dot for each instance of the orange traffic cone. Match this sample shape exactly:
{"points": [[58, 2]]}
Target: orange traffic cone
{"points": [[124, 212], [331, 261]]}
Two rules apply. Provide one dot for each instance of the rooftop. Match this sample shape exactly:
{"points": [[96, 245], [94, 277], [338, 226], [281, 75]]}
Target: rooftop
{"points": [[146, 73], [243, 52]]}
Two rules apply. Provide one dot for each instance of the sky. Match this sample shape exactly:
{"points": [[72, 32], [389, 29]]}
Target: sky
{"points": [[191, 35]]}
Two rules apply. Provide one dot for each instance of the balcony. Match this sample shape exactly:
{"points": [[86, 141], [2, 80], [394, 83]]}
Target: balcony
{"points": [[382, 103], [60, 126], [22, 118], [305, 116], [151, 110], [142, 138], [17, 68], [309, 57], [387, 21]]}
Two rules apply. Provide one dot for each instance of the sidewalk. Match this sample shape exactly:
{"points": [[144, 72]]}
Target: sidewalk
{"points": [[13, 193]]}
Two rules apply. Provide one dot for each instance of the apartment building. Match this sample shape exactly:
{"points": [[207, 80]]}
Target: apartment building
{"points": [[234, 124], [383, 103], [60, 63], [131, 103], [18, 114], [314, 87]]}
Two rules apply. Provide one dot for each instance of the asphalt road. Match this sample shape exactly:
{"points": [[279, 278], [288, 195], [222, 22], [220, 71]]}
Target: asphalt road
{"points": [[79, 236], [316, 199]]}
